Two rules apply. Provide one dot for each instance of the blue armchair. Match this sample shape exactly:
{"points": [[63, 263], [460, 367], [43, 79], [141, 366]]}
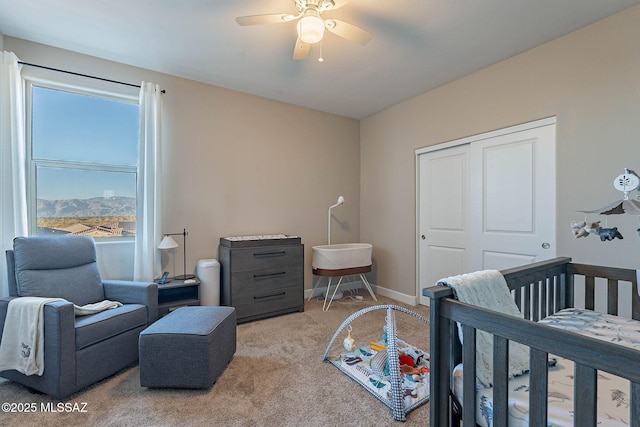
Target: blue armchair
{"points": [[78, 351]]}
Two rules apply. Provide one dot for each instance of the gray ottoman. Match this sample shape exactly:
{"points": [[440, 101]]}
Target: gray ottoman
{"points": [[188, 348]]}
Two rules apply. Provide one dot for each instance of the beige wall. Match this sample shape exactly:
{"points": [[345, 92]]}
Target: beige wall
{"points": [[589, 79], [236, 164], [240, 164]]}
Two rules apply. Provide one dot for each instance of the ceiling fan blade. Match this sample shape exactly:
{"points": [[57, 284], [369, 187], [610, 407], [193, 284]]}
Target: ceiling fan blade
{"points": [[332, 4], [301, 49], [348, 31], [274, 18]]}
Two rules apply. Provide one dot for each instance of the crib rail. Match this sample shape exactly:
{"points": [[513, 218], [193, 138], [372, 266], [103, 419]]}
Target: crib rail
{"points": [[613, 276], [539, 290], [588, 354], [542, 288]]}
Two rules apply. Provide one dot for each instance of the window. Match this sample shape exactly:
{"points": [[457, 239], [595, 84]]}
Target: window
{"points": [[83, 156]]}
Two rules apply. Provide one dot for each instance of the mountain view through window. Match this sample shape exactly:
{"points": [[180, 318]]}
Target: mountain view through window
{"points": [[84, 155]]}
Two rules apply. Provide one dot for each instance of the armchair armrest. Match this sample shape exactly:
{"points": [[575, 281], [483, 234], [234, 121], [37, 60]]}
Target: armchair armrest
{"points": [[4, 305], [58, 315], [59, 374], [128, 292]]}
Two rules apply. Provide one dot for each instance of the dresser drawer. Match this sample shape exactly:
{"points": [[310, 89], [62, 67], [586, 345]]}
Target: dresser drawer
{"points": [[252, 282], [259, 258], [268, 301]]}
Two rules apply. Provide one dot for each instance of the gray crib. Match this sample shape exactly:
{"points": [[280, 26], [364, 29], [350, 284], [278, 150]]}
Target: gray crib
{"points": [[539, 289]]}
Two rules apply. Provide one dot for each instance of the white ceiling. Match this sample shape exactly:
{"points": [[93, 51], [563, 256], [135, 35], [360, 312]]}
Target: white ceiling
{"points": [[417, 44]]}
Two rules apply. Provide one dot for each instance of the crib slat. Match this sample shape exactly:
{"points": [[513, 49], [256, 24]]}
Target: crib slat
{"points": [[560, 278], [535, 315], [451, 355], [469, 376], [500, 381], [635, 404], [585, 393], [527, 302], [635, 302], [441, 343], [589, 292], [548, 298], [538, 388], [570, 291], [612, 297]]}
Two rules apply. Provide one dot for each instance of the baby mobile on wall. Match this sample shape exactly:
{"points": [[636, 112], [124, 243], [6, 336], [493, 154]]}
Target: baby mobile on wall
{"points": [[626, 183]]}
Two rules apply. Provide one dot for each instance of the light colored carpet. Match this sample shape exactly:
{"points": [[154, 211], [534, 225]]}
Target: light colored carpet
{"points": [[276, 378]]}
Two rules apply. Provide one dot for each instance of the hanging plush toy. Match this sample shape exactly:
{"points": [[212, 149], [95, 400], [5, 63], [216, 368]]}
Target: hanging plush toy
{"points": [[609, 234], [349, 343], [604, 233], [578, 229], [592, 227]]}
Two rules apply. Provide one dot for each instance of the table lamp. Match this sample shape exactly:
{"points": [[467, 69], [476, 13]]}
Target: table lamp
{"points": [[169, 243]]}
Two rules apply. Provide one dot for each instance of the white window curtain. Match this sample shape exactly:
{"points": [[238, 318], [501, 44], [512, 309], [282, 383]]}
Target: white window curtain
{"points": [[146, 266], [13, 195]]}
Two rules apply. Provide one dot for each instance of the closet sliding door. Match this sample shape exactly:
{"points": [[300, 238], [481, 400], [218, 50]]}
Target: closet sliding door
{"points": [[486, 202], [443, 206]]}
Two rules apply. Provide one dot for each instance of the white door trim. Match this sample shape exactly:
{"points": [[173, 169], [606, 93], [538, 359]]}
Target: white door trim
{"points": [[486, 135]]}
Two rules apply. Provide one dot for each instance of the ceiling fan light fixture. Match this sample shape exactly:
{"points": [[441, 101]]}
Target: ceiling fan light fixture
{"points": [[311, 27]]}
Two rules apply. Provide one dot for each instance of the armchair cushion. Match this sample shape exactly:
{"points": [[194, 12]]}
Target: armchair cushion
{"points": [[128, 292], [47, 266], [99, 327]]}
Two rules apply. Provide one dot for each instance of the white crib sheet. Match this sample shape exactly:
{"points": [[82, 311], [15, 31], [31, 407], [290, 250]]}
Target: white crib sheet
{"points": [[613, 391]]}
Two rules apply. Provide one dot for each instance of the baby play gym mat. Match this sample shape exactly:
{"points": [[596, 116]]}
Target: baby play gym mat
{"points": [[400, 382]]}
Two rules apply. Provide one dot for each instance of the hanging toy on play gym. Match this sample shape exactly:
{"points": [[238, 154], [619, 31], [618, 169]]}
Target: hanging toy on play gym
{"points": [[349, 343]]}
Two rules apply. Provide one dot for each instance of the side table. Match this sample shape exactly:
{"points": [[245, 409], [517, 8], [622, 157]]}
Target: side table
{"points": [[177, 294]]}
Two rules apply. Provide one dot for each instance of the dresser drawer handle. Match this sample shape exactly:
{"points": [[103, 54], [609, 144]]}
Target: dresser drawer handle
{"points": [[268, 254], [271, 296], [264, 276]]}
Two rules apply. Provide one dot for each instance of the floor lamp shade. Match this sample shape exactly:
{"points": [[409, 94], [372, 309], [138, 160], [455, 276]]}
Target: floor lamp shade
{"points": [[169, 242]]}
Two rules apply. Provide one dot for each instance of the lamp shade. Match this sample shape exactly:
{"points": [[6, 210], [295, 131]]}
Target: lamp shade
{"points": [[310, 29], [167, 243]]}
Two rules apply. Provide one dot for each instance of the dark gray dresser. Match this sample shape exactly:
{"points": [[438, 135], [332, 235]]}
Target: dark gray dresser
{"points": [[262, 276]]}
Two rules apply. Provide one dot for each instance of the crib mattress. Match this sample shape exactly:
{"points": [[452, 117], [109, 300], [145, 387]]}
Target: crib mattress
{"points": [[613, 391]]}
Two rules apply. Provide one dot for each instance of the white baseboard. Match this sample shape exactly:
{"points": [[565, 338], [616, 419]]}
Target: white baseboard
{"points": [[398, 296], [378, 290]]}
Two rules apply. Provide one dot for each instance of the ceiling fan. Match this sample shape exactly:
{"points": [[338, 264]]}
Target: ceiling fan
{"points": [[311, 24]]}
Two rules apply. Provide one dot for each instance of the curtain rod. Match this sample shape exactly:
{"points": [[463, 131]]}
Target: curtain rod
{"points": [[81, 75]]}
